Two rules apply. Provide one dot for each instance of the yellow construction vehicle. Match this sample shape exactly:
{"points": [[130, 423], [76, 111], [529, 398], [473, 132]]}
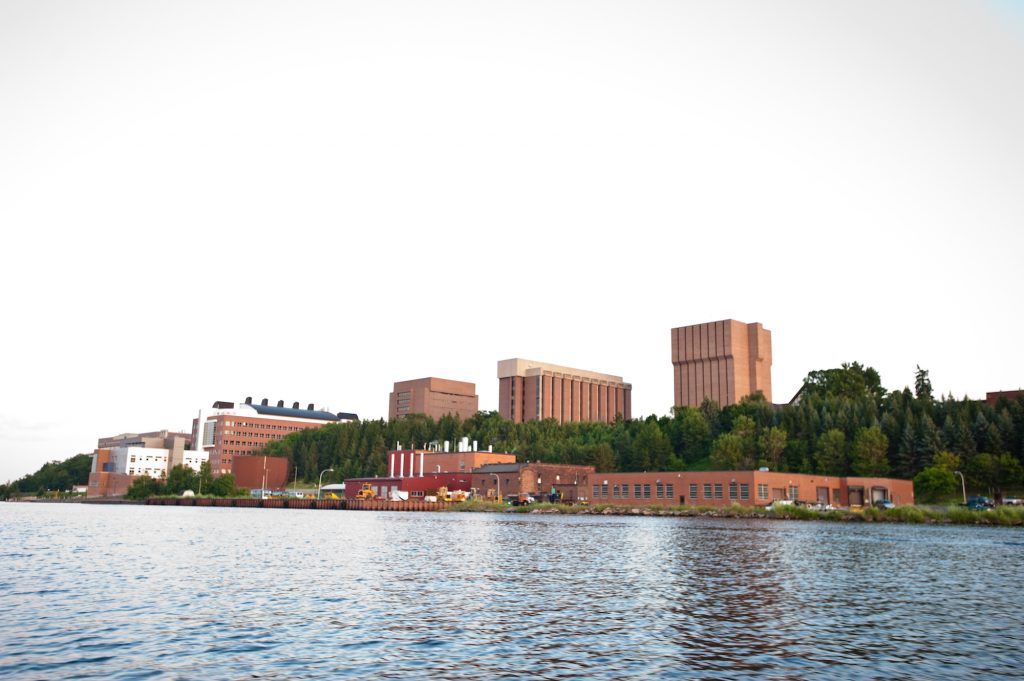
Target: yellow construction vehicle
{"points": [[366, 492]]}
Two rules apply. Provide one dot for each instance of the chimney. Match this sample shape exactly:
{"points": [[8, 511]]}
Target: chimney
{"points": [[280, 403], [263, 402], [248, 400], [295, 405], [310, 407]]}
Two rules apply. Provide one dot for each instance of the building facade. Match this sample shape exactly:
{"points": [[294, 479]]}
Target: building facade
{"points": [[435, 397], [569, 482], [231, 430], [723, 361], [121, 459], [529, 390], [416, 486], [745, 488], [418, 462]]}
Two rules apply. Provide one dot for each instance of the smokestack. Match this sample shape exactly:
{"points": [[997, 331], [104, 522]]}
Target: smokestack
{"points": [[474, 446], [446, 443]]}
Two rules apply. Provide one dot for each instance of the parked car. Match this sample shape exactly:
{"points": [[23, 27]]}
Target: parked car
{"points": [[884, 503], [1013, 501], [779, 503], [979, 503]]}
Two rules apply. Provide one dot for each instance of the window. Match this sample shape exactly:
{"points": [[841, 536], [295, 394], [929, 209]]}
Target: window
{"points": [[744, 491], [597, 491], [793, 492], [669, 493], [636, 491], [733, 491], [604, 490], [615, 491], [762, 491], [647, 490], [693, 491], [659, 490], [707, 490], [718, 490]]}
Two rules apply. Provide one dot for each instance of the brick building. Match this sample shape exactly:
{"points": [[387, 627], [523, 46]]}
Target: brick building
{"points": [[435, 397], [724, 361], [533, 478], [231, 431], [417, 462], [121, 459], [746, 488], [529, 390]]}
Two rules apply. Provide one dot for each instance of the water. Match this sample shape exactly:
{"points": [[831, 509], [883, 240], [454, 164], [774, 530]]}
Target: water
{"points": [[166, 592]]}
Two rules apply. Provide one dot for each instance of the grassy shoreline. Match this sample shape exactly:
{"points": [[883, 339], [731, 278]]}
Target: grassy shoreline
{"points": [[1003, 516]]}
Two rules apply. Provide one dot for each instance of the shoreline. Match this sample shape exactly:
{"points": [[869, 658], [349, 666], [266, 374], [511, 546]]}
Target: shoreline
{"points": [[1004, 516]]}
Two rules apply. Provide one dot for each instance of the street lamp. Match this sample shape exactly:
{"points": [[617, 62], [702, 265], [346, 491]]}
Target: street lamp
{"points": [[498, 481], [963, 484], [320, 483]]}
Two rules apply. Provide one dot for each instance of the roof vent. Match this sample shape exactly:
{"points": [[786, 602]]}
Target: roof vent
{"points": [[248, 400], [263, 402], [295, 405], [310, 407], [280, 403]]}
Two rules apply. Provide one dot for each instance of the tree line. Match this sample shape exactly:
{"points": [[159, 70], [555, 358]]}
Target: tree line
{"points": [[843, 422]]}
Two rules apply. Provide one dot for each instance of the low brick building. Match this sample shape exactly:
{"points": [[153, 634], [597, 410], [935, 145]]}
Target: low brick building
{"points": [[533, 478], [417, 487], [746, 488]]}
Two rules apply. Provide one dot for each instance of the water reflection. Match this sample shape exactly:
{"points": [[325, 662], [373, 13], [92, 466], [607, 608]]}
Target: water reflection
{"points": [[231, 593]]}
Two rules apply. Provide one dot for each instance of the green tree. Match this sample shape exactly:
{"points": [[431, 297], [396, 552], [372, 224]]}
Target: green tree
{"points": [[205, 480], [934, 484], [694, 434], [224, 486], [728, 453], [922, 384], [180, 479], [830, 455], [995, 472], [773, 446], [143, 488], [869, 454], [651, 448]]}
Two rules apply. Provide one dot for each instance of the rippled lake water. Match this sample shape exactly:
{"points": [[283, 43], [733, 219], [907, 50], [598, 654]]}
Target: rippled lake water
{"points": [[164, 592]]}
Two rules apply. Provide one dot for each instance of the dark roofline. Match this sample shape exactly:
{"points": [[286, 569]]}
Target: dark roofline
{"points": [[314, 414]]}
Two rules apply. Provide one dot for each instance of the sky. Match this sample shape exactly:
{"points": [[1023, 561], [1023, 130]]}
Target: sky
{"points": [[309, 201]]}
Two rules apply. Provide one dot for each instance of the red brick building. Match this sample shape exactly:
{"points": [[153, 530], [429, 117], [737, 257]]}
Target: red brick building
{"points": [[724, 361], [435, 397], [417, 487], [746, 488], [685, 488], [533, 478], [529, 391], [231, 430]]}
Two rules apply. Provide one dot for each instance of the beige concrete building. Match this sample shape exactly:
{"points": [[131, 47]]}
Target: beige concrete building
{"points": [[435, 397], [529, 390], [724, 361]]}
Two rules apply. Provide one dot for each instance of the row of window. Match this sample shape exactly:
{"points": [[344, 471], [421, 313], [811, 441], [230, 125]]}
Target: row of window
{"points": [[640, 491], [715, 490]]}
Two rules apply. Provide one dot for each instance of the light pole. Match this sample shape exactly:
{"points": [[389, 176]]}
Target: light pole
{"points": [[320, 483], [963, 484], [498, 481]]}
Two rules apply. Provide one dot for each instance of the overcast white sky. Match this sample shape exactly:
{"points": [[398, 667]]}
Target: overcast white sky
{"points": [[311, 200]]}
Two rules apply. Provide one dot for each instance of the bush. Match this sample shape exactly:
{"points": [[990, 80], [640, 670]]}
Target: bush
{"points": [[934, 484]]}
